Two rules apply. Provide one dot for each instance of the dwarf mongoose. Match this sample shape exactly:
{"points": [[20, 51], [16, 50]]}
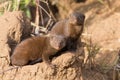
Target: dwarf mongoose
{"points": [[71, 28], [37, 47]]}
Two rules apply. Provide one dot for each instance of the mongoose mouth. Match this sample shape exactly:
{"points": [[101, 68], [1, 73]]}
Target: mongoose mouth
{"points": [[59, 46]]}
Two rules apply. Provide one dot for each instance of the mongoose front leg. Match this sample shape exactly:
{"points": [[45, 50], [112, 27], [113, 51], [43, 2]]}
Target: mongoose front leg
{"points": [[46, 59]]}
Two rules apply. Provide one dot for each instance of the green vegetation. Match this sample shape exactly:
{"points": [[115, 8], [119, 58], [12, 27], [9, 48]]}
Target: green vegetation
{"points": [[101, 1], [15, 5]]}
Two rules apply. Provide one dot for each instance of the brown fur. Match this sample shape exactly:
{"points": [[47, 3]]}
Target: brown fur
{"points": [[37, 47], [71, 28]]}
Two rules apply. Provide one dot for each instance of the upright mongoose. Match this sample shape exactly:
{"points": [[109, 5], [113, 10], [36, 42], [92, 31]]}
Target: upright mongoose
{"points": [[71, 28], [37, 47]]}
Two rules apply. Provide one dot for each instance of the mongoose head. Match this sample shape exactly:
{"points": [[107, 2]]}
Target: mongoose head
{"points": [[57, 41]]}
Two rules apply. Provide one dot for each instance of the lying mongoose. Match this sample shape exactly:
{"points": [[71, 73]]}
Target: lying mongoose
{"points": [[37, 47], [71, 28]]}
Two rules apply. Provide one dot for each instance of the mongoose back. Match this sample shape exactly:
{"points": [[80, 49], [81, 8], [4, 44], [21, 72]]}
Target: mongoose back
{"points": [[37, 47]]}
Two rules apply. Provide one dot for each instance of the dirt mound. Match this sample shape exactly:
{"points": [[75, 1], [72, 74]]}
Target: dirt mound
{"points": [[102, 29], [106, 32], [102, 25], [17, 27], [14, 27]]}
